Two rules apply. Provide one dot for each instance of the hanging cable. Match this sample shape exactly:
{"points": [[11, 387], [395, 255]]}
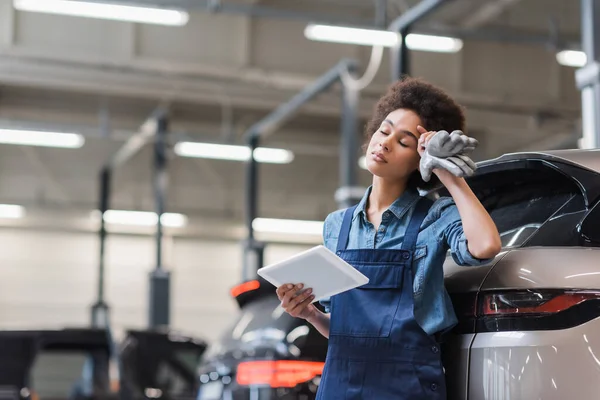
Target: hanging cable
{"points": [[370, 71]]}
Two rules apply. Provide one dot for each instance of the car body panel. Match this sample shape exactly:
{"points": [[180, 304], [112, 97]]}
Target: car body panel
{"points": [[560, 364], [543, 267], [589, 159], [467, 279], [456, 352]]}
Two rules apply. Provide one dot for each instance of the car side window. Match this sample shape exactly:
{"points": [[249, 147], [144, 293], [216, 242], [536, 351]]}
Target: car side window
{"points": [[521, 200]]}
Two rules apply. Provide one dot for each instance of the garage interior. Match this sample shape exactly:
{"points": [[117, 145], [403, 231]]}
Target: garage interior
{"points": [[137, 92]]}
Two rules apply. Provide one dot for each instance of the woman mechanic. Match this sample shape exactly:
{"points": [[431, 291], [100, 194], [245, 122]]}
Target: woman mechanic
{"points": [[382, 336]]}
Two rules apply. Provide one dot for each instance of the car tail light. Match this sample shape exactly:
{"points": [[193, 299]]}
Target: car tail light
{"points": [[532, 302], [244, 287], [282, 373]]}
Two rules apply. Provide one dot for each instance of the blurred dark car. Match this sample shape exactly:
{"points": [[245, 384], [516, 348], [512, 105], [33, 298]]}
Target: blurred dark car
{"points": [[539, 300], [55, 364], [264, 354], [159, 365], [84, 364]]}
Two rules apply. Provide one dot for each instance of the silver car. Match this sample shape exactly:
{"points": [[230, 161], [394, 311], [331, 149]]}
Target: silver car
{"points": [[528, 322], [529, 325]]}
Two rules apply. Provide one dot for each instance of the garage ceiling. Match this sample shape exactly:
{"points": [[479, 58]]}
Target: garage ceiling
{"points": [[225, 70]]}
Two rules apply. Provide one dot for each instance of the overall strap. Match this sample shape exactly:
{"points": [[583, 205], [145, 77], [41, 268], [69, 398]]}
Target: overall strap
{"points": [[345, 229], [410, 236]]}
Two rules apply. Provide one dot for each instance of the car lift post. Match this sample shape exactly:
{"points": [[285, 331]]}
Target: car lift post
{"points": [[156, 126], [253, 249]]}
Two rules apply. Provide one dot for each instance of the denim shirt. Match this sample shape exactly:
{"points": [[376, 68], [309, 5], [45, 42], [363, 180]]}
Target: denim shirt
{"points": [[441, 230]]}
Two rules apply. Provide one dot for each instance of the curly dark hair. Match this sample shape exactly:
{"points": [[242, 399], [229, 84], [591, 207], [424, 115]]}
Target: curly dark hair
{"points": [[434, 106]]}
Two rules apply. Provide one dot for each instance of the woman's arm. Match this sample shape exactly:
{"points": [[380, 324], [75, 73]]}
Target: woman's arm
{"points": [[480, 230], [320, 321]]}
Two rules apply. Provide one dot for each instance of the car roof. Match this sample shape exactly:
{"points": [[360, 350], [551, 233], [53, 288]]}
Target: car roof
{"points": [[589, 159]]}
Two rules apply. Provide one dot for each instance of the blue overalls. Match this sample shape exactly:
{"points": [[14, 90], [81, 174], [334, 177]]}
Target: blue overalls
{"points": [[377, 350]]}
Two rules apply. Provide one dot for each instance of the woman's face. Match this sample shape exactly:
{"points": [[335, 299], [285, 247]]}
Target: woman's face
{"points": [[392, 152]]}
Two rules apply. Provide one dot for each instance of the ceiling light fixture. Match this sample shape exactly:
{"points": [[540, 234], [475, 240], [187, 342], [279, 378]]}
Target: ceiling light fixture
{"points": [[41, 138], [117, 12], [143, 218], [571, 58], [287, 226], [343, 34], [232, 153], [11, 211], [373, 37]]}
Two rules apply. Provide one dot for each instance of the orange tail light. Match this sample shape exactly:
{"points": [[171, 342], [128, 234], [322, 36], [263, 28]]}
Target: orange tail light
{"points": [[281, 373], [244, 287]]}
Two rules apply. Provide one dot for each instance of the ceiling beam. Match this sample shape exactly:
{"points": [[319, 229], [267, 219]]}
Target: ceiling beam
{"points": [[486, 12]]}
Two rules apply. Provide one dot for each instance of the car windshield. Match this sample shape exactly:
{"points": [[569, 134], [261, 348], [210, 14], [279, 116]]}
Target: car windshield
{"points": [[521, 200]]}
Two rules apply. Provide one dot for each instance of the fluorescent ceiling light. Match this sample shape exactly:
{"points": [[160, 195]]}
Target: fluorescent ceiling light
{"points": [[11, 211], [438, 44], [40, 138], [342, 34], [571, 58], [290, 226], [143, 218], [372, 37], [116, 12], [232, 153]]}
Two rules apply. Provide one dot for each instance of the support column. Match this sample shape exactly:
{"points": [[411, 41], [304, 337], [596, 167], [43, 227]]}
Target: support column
{"points": [[159, 306], [100, 310], [400, 58], [253, 249], [349, 193], [588, 77]]}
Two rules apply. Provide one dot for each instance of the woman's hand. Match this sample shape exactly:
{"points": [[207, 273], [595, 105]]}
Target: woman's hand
{"points": [[423, 139], [295, 301]]}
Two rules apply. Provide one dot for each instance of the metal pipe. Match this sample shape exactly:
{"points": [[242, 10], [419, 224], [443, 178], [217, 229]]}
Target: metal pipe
{"points": [[253, 250], [285, 111], [134, 144], [414, 14], [400, 55], [588, 77]]}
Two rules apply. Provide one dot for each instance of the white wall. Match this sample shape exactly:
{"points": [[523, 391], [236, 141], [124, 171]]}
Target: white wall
{"points": [[48, 279]]}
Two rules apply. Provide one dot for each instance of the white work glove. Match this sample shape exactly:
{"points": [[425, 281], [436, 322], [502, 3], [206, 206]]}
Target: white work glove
{"points": [[448, 151]]}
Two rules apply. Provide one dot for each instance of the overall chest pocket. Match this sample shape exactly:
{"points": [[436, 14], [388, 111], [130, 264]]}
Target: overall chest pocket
{"points": [[369, 311]]}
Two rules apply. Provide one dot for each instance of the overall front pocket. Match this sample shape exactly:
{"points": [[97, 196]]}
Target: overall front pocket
{"points": [[369, 311]]}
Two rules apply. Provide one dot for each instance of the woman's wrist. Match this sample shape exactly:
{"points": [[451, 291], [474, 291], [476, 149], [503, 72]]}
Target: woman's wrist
{"points": [[449, 180]]}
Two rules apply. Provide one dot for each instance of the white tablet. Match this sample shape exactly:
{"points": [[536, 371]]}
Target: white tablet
{"points": [[317, 268]]}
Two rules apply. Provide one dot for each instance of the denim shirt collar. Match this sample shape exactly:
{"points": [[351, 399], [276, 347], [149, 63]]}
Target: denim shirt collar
{"points": [[399, 207]]}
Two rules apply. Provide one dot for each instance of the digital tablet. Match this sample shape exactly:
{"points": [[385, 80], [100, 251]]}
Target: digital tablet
{"points": [[319, 269]]}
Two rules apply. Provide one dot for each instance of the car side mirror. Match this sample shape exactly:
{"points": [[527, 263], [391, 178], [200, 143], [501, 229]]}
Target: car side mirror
{"points": [[590, 225]]}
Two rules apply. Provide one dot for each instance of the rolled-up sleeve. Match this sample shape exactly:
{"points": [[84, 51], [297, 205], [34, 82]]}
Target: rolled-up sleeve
{"points": [[454, 235]]}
